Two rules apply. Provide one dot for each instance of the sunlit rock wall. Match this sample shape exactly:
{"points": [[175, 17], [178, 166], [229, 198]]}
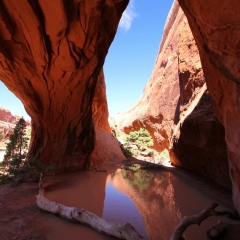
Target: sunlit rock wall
{"points": [[177, 81], [170, 107]]}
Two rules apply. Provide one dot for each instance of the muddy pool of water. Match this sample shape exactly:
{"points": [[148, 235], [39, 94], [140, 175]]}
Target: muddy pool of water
{"points": [[153, 201]]}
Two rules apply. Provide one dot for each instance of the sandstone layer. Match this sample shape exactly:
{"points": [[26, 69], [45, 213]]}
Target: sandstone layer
{"points": [[215, 26], [175, 109], [51, 54]]}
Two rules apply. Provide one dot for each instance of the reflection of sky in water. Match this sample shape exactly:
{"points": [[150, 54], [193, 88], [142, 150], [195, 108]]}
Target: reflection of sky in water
{"points": [[119, 208]]}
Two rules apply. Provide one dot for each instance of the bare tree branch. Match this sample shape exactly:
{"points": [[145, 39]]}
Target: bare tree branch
{"points": [[195, 219]]}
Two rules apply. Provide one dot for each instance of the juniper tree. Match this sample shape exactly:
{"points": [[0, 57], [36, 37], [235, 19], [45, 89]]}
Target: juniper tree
{"points": [[16, 150], [141, 138]]}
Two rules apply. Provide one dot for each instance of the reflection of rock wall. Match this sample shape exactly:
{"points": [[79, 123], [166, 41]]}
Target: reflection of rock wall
{"points": [[153, 195]]}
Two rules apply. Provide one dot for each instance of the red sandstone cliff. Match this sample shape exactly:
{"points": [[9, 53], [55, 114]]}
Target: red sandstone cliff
{"points": [[6, 116], [51, 54], [106, 147], [177, 81], [215, 27], [7, 124], [175, 106]]}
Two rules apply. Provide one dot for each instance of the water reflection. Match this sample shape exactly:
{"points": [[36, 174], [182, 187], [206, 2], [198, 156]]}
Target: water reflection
{"points": [[120, 208], [153, 195], [153, 201], [162, 199]]}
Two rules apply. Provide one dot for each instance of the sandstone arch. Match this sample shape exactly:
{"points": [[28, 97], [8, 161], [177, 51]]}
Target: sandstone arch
{"points": [[51, 55]]}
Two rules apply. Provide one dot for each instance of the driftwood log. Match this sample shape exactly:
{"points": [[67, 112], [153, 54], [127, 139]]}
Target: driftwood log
{"points": [[195, 219], [117, 230]]}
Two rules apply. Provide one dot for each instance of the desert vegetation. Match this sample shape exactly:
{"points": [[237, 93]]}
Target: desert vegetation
{"points": [[18, 164]]}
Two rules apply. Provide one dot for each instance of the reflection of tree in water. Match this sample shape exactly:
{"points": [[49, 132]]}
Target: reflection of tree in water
{"points": [[138, 178]]}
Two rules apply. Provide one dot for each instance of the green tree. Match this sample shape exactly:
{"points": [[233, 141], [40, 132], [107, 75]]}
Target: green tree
{"points": [[16, 150], [141, 138]]}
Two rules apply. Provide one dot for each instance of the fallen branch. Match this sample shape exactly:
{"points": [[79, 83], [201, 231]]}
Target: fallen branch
{"points": [[195, 219], [118, 230]]}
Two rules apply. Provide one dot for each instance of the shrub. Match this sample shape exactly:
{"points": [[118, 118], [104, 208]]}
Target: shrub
{"points": [[17, 164], [141, 138], [134, 151], [150, 154], [126, 152], [2, 136]]}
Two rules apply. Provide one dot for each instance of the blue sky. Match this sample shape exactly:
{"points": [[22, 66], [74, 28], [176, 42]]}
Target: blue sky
{"points": [[131, 57], [130, 60]]}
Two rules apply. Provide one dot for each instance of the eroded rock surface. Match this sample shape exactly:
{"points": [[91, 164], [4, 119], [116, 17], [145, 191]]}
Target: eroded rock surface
{"points": [[174, 107], [51, 54], [215, 26], [106, 147], [201, 146], [176, 81]]}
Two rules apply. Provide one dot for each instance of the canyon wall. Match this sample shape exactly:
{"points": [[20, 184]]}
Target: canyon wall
{"points": [[6, 116], [215, 27], [176, 108], [51, 55], [106, 146], [7, 125]]}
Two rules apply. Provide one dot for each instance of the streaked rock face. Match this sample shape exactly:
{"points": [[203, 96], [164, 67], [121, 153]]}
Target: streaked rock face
{"points": [[176, 81], [106, 147], [51, 54], [215, 26], [175, 106]]}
